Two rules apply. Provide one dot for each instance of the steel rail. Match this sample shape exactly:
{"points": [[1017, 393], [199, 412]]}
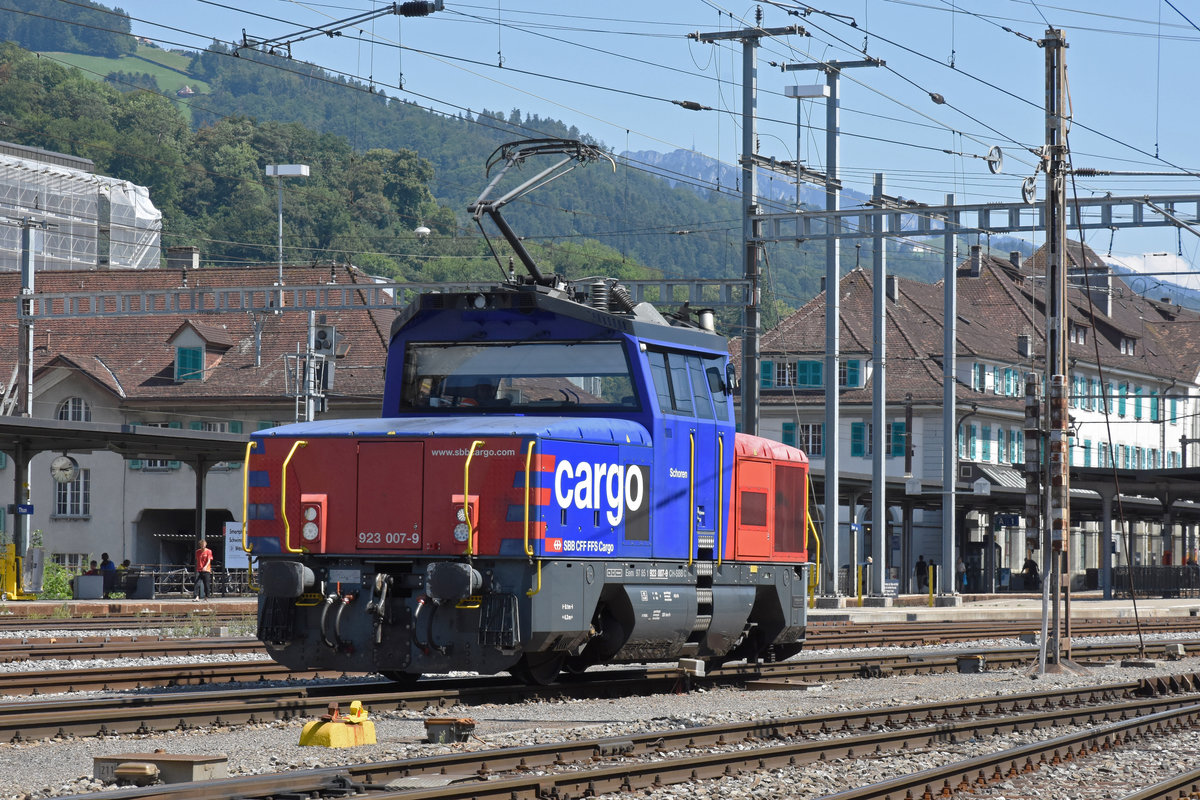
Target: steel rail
{"points": [[480, 772]]}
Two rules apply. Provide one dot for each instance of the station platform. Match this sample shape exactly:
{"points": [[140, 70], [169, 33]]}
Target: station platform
{"points": [[46, 611], [982, 607]]}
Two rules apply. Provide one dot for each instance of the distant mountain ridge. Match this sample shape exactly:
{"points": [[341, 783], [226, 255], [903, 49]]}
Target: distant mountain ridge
{"points": [[699, 172]]}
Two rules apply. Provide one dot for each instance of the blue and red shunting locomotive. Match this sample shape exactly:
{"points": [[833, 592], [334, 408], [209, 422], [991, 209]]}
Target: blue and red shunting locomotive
{"points": [[555, 482]]}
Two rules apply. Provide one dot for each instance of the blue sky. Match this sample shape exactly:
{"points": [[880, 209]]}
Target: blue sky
{"points": [[612, 69]]}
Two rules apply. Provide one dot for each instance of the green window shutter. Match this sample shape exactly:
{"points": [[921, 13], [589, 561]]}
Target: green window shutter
{"points": [[189, 363], [858, 439], [196, 425], [852, 373], [175, 424], [135, 463], [263, 424], [3, 460], [789, 433], [986, 443], [235, 426], [767, 374], [896, 439], [1154, 406]]}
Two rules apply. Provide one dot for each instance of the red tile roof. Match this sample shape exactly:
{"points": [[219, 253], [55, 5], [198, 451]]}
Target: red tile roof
{"points": [[132, 358]]}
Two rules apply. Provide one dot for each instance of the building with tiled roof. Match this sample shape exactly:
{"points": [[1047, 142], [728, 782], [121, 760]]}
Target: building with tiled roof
{"points": [[1140, 355], [225, 371]]}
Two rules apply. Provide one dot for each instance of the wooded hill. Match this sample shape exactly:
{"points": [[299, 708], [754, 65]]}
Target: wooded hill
{"points": [[380, 166]]}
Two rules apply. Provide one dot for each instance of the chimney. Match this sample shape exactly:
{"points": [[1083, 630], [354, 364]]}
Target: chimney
{"points": [[1014, 258], [976, 261], [183, 257], [1023, 349], [893, 289]]}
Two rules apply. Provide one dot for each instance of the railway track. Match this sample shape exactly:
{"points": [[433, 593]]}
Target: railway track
{"points": [[820, 636], [222, 706], [1112, 715]]}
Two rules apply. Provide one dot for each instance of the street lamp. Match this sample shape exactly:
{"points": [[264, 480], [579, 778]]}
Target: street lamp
{"points": [[279, 172]]}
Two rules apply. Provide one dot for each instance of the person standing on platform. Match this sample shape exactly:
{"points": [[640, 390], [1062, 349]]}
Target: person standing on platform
{"points": [[204, 559], [922, 570]]}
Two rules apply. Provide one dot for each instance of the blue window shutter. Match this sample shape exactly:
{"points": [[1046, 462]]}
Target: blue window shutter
{"points": [[1154, 406], [820, 381], [196, 425], [135, 463], [235, 426], [858, 439], [789, 433], [986, 443], [263, 424], [3, 460], [767, 374]]}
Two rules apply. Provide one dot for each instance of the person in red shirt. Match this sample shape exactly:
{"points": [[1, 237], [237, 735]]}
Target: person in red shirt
{"points": [[203, 570]]}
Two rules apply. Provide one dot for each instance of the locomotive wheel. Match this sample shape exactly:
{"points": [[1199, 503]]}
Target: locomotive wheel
{"points": [[538, 669], [403, 680]]}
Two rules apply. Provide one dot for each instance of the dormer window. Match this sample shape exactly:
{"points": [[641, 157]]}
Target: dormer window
{"points": [[1076, 334], [189, 363], [1128, 346], [198, 349]]}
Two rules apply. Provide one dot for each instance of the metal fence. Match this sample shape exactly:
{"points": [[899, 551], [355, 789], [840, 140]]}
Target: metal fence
{"points": [[170, 579], [1158, 581]]}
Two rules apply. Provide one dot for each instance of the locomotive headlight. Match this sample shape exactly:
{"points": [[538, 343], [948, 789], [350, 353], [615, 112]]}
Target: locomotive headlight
{"points": [[310, 514], [461, 531], [310, 531], [461, 513]]}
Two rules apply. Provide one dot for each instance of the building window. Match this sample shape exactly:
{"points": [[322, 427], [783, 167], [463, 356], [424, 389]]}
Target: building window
{"points": [[997, 386], [1076, 334], [985, 441], [1137, 402], [850, 373], [811, 438], [860, 439], [189, 363], [75, 562], [75, 409], [1001, 451], [785, 373], [1154, 414], [74, 499], [979, 377], [1087, 452], [1128, 346], [1122, 399]]}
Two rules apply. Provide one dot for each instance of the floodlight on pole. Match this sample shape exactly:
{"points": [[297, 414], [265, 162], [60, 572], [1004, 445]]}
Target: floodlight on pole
{"points": [[279, 172]]}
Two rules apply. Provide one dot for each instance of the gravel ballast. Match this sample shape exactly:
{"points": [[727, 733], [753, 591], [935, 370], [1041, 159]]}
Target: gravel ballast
{"points": [[57, 768]]}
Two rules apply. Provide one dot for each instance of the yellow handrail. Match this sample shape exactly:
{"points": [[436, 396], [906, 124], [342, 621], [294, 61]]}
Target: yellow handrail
{"points": [[528, 461], [466, 497], [692, 498], [532, 592], [246, 494], [287, 528], [812, 584], [720, 498]]}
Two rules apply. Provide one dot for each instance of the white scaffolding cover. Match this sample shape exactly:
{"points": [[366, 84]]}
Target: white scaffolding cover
{"points": [[93, 221]]}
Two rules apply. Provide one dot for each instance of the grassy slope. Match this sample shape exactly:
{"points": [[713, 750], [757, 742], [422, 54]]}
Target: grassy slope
{"points": [[168, 68]]}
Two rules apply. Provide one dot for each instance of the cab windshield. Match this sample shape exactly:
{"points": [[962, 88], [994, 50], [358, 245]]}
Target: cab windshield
{"points": [[517, 377]]}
